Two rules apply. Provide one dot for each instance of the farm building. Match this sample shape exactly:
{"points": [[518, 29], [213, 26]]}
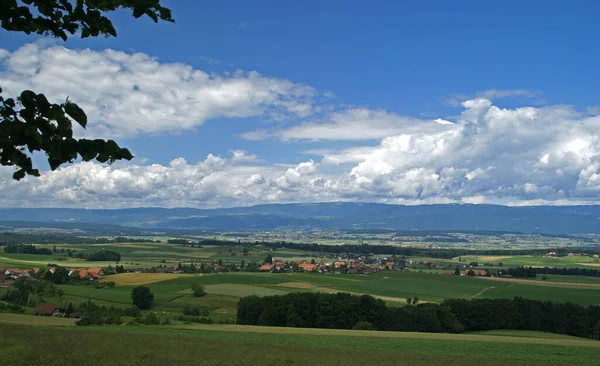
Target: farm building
{"points": [[48, 310]]}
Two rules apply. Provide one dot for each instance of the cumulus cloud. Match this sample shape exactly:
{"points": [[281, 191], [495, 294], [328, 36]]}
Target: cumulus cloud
{"points": [[492, 94], [350, 124], [518, 156], [214, 182], [128, 94], [492, 153]]}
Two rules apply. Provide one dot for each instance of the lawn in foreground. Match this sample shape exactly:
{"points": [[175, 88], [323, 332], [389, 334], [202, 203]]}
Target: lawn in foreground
{"points": [[21, 344]]}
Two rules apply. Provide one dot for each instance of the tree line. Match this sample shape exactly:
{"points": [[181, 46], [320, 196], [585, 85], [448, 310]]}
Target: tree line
{"points": [[530, 272], [26, 249], [345, 311]]}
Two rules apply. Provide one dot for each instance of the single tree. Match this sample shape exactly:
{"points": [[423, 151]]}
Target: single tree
{"points": [[142, 297], [471, 273], [415, 300], [457, 271], [269, 259], [409, 300], [198, 291], [29, 122]]}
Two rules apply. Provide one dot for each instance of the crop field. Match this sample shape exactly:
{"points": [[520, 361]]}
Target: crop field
{"points": [[241, 290], [136, 279], [240, 345], [523, 334]]}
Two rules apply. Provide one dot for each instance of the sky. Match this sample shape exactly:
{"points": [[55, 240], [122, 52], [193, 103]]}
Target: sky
{"points": [[241, 103]]}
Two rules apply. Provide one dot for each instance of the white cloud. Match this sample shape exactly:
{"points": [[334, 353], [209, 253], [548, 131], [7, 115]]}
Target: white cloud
{"points": [[492, 94], [350, 124], [489, 154], [129, 94], [521, 156], [527, 155]]}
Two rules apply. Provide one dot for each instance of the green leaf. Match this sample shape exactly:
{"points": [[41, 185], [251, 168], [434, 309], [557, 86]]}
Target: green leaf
{"points": [[28, 99], [76, 113]]}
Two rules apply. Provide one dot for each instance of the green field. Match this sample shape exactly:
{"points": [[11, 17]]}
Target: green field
{"points": [[238, 345], [224, 289], [536, 261], [172, 292]]}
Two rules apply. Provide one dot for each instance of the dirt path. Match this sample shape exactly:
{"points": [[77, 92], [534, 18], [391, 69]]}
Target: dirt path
{"points": [[481, 292]]}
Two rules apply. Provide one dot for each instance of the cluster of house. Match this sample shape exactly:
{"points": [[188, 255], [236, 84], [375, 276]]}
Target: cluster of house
{"points": [[476, 272], [350, 266], [9, 275]]}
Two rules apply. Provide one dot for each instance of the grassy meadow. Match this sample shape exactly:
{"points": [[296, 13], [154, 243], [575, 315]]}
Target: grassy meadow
{"points": [[240, 345]]}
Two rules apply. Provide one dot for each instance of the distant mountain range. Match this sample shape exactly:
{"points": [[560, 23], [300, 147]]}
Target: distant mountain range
{"points": [[325, 216]]}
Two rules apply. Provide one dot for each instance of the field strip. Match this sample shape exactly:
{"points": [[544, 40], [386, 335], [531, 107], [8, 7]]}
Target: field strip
{"points": [[298, 285], [31, 320], [382, 334], [134, 279], [542, 283], [494, 257], [590, 264], [36, 320], [329, 290], [481, 292]]}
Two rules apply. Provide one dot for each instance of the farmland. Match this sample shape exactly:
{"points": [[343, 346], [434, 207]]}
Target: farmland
{"points": [[224, 289], [172, 291], [286, 345]]}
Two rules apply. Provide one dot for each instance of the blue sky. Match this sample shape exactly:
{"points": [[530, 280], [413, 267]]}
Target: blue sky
{"points": [[413, 62]]}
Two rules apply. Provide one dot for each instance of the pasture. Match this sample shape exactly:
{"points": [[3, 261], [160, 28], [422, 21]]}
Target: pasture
{"points": [[239, 345]]}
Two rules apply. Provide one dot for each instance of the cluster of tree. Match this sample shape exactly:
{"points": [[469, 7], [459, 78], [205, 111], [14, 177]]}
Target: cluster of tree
{"points": [[11, 308], [103, 256], [184, 242], [26, 249], [197, 290], [195, 311], [94, 314], [142, 297], [25, 292], [194, 319], [311, 310], [529, 272], [345, 311], [519, 272]]}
